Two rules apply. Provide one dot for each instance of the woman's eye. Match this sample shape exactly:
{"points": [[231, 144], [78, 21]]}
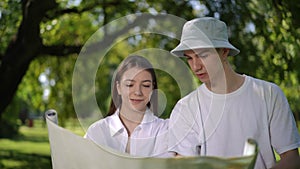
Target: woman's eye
{"points": [[147, 86], [128, 85]]}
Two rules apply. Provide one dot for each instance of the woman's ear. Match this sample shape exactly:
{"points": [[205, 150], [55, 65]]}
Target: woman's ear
{"points": [[118, 87]]}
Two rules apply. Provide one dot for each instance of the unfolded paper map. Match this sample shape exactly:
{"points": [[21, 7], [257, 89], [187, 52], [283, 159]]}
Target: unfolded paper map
{"points": [[70, 151]]}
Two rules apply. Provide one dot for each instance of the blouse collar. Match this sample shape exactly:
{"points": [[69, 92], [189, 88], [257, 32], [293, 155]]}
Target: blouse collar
{"points": [[116, 125]]}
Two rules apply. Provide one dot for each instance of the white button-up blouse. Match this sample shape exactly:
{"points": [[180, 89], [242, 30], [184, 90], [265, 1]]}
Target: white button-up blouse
{"points": [[149, 139]]}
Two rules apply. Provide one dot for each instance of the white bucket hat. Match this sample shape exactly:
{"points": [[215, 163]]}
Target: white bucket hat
{"points": [[206, 32]]}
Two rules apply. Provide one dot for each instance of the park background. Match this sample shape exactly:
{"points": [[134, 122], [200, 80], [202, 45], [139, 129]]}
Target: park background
{"points": [[41, 40]]}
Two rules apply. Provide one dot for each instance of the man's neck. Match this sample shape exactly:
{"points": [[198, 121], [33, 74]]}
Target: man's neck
{"points": [[228, 82]]}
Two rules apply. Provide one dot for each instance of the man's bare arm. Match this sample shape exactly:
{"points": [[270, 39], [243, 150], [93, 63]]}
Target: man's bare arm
{"points": [[289, 160]]}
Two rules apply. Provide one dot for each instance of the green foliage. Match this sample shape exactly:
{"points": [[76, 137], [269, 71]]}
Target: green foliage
{"points": [[270, 51], [10, 17], [60, 97], [266, 32], [9, 123], [31, 90], [68, 30]]}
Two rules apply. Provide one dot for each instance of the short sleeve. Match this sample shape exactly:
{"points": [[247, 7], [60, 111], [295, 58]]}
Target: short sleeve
{"points": [[283, 129], [183, 138]]}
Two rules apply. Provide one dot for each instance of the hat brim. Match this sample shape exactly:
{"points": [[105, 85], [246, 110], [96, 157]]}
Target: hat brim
{"points": [[196, 44]]}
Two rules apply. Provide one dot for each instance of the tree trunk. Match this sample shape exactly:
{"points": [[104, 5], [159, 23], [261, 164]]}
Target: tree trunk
{"points": [[23, 49]]}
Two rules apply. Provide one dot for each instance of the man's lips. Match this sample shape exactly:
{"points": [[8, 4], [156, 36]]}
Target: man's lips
{"points": [[200, 75]]}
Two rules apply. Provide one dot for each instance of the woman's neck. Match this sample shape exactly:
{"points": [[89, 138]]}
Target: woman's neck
{"points": [[130, 119]]}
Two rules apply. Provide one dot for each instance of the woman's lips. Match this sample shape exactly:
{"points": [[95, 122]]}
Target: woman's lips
{"points": [[136, 100]]}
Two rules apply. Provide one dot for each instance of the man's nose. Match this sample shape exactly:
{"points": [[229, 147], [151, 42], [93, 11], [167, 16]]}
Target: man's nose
{"points": [[197, 64]]}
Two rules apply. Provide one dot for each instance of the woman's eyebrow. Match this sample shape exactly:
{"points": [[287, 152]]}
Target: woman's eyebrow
{"points": [[147, 81], [131, 80]]}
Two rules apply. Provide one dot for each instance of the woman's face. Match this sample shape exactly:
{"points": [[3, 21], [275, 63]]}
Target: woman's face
{"points": [[135, 88]]}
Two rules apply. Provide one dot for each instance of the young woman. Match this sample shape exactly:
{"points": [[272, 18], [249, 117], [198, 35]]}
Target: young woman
{"points": [[131, 125]]}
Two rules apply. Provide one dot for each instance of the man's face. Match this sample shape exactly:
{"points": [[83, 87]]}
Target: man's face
{"points": [[205, 63]]}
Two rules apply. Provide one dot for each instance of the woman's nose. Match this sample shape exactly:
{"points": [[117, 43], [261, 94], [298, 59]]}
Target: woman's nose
{"points": [[137, 90]]}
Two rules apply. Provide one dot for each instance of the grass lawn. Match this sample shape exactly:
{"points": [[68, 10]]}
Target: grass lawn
{"points": [[31, 150]]}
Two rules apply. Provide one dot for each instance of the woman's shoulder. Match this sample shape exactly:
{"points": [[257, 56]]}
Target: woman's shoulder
{"points": [[101, 123], [162, 123], [162, 120]]}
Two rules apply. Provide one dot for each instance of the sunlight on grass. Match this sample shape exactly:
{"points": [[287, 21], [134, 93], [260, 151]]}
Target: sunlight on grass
{"points": [[42, 148], [12, 163], [31, 149]]}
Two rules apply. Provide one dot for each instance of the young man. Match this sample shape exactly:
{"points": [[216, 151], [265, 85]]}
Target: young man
{"points": [[228, 108]]}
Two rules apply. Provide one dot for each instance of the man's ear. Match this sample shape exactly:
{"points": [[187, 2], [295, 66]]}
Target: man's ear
{"points": [[224, 52]]}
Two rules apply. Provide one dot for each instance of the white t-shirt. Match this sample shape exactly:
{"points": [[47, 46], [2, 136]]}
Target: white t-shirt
{"points": [[221, 123], [149, 139]]}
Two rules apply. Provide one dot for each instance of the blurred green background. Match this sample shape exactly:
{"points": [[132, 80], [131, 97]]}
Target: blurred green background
{"points": [[40, 42]]}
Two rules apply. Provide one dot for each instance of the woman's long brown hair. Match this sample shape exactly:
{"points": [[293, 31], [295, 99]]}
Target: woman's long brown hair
{"points": [[134, 61]]}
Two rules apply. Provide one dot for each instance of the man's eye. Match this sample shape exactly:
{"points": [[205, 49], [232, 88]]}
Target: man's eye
{"points": [[202, 55]]}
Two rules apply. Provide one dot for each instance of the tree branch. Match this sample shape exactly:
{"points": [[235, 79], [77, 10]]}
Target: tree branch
{"points": [[59, 12], [23, 49], [63, 50], [108, 39], [59, 50]]}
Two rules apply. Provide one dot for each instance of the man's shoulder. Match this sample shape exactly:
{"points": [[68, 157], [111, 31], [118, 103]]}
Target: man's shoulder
{"points": [[261, 82], [263, 85], [192, 97], [193, 94]]}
